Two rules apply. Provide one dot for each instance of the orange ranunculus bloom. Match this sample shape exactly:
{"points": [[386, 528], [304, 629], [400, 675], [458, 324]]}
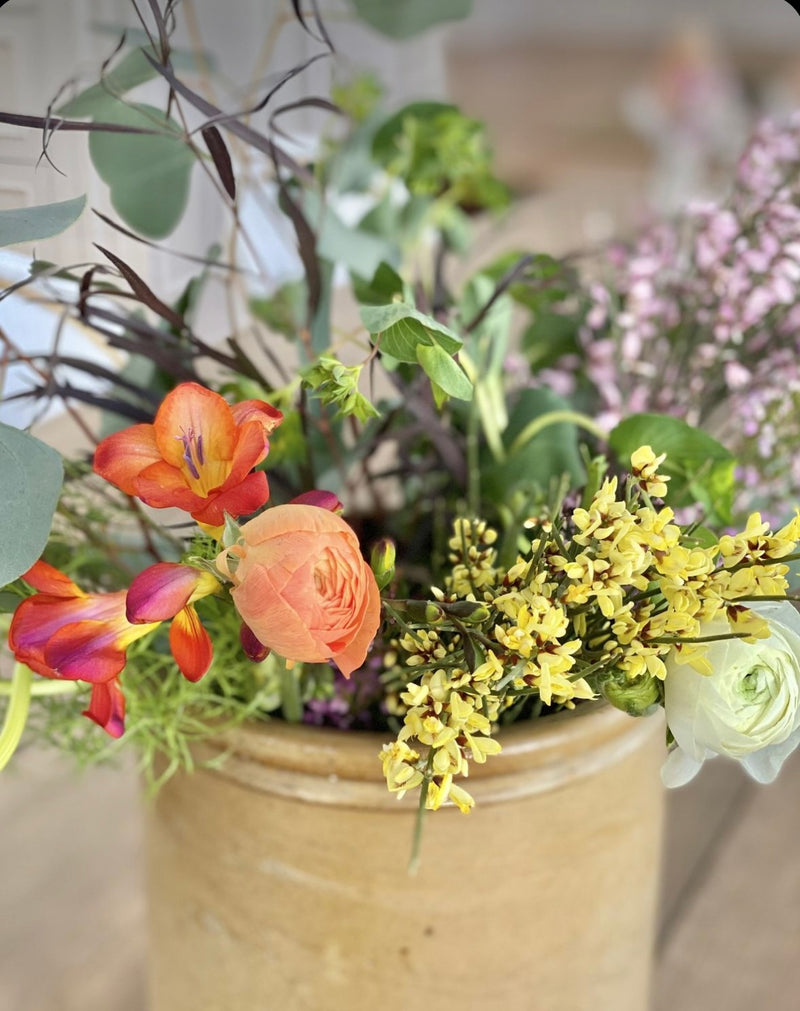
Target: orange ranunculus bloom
{"points": [[198, 455], [302, 586]]}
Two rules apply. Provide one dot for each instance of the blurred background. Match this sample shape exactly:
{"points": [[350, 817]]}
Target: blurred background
{"points": [[599, 111]]}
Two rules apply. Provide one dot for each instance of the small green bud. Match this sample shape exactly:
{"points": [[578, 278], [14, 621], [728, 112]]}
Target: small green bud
{"points": [[467, 611], [636, 698], [382, 561]]}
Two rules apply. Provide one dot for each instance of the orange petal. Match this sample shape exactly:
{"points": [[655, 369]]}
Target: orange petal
{"points": [[269, 417], [163, 486], [107, 707], [241, 500], [120, 458], [190, 410], [85, 651], [251, 448], [47, 579], [355, 652], [190, 644]]}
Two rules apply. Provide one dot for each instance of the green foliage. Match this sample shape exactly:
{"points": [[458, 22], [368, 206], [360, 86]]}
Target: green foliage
{"points": [[436, 150], [400, 19], [147, 174], [283, 312], [29, 224], [399, 328], [32, 474], [701, 470], [131, 70], [335, 384], [444, 372], [534, 462], [359, 97], [385, 286]]}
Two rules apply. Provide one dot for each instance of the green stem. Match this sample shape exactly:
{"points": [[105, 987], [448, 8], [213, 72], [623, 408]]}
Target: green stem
{"points": [[533, 428], [41, 688], [17, 712], [416, 845]]}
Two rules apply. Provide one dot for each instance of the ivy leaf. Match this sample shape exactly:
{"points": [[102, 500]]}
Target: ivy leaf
{"points": [[32, 474], [444, 371], [29, 224], [701, 470], [402, 328]]}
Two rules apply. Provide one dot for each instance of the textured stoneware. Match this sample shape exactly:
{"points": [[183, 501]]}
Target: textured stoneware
{"points": [[279, 883]]}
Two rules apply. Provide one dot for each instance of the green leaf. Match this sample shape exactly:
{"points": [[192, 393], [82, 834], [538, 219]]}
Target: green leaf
{"points": [[400, 19], [28, 224], [701, 470], [384, 143], [385, 284], [148, 174], [549, 337], [539, 460], [402, 328], [284, 312], [444, 371], [132, 70], [32, 473]]}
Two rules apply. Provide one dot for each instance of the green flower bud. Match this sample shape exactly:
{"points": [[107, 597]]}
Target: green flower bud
{"points": [[382, 561], [636, 698], [467, 611]]}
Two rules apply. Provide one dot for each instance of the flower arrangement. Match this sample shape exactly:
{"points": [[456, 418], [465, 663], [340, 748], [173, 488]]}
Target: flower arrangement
{"points": [[525, 556]]}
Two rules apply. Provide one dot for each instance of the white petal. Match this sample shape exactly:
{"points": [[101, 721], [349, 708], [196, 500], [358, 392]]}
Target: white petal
{"points": [[678, 769], [764, 765]]}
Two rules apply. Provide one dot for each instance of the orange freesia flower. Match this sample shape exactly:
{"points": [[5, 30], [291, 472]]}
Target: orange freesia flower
{"points": [[302, 586], [169, 590], [65, 633], [62, 632], [198, 455]]}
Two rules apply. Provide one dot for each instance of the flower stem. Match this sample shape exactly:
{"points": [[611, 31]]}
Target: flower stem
{"points": [[17, 712], [544, 421]]}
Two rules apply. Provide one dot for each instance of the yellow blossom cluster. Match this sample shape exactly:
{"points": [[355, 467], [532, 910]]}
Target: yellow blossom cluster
{"points": [[603, 595]]}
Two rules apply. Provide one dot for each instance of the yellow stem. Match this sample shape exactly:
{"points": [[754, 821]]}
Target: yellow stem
{"points": [[17, 712], [544, 421]]}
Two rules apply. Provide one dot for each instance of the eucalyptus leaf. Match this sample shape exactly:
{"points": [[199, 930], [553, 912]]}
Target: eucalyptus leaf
{"points": [[29, 224], [402, 328], [401, 19], [132, 70], [701, 470], [31, 474], [148, 174], [442, 369]]}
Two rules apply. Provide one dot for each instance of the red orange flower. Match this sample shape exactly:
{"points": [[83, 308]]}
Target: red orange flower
{"points": [[169, 590], [198, 455], [65, 633], [62, 632]]}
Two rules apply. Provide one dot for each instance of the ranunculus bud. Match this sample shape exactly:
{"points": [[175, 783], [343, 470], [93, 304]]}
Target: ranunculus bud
{"points": [[748, 708], [302, 587], [636, 698], [382, 561]]}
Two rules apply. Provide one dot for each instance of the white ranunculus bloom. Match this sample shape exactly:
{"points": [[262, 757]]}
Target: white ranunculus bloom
{"points": [[748, 708]]}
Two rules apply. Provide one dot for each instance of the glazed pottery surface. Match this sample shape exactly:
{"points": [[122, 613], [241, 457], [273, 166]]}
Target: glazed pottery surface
{"points": [[280, 882]]}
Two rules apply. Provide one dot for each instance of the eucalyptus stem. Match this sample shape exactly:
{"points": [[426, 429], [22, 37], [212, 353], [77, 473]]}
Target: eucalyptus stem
{"points": [[17, 712]]}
